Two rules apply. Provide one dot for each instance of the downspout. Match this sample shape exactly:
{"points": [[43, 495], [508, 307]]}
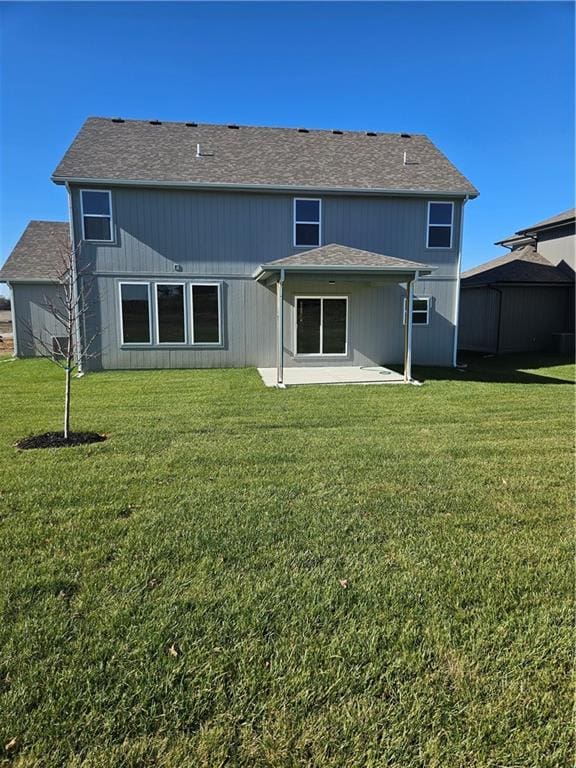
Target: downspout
{"points": [[13, 319], [78, 340], [457, 302]]}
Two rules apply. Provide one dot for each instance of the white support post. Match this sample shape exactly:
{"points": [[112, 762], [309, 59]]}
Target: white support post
{"points": [[408, 331], [280, 330]]}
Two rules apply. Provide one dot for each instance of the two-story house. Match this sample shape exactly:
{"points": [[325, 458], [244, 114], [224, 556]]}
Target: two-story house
{"points": [[231, 246]]}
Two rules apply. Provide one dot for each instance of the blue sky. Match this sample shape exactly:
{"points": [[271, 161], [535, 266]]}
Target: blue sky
{"points": [[491, 83]]}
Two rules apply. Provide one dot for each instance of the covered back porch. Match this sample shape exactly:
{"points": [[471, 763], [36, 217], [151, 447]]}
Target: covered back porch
{"points": [[342, 314]]}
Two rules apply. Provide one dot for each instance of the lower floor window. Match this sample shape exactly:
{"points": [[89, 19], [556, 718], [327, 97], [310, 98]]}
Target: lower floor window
{"points": [[170, 317], [184, 312], [321, 325], [205, 313], [420, 310], [135, 301]]}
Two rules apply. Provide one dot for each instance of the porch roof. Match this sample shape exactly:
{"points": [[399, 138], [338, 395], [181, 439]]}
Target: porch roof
{"points": [[342, 258]]}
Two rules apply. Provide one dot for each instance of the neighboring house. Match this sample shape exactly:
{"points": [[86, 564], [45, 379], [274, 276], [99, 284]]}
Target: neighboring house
{"points": [[216, 246], [31, 271], [524, 300]]}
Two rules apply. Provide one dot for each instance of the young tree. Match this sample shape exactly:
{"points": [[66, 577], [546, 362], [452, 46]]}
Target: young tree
{"points": [[69, 311]]}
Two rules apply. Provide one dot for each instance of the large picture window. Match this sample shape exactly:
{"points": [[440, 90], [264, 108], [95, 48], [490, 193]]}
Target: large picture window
{"points": [[205, 313], [440, 217], [307, 221], [96, 207], [181, 313], [135, 305], [170, 313], [321, 325]]}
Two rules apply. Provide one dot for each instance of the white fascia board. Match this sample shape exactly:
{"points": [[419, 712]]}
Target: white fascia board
{"points": [[420, 270]]}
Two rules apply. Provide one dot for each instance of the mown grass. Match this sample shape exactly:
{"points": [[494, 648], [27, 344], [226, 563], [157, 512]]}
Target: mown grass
{"points": [[339, 577]]}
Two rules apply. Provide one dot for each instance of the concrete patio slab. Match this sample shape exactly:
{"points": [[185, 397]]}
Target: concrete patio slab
{"points": [[337, 374]]}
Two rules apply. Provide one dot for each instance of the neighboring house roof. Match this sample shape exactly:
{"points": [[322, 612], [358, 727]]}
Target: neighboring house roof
{"points": [[561, 218], [140, 151], [341, 258], [514, 241], [38, 253], [524, 265]]}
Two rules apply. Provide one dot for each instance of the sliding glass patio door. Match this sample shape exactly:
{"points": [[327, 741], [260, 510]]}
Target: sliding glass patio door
{"points": [[321, 325]]}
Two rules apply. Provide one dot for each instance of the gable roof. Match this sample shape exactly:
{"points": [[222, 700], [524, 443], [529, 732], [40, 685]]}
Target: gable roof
{"points": [[566, 217], [342, 258], [153, 152], [38, 253], [524, 265]]}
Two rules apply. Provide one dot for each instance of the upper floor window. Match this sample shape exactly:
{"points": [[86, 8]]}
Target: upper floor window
{"points": [[96, 215], [307, 213], [440, 216]]}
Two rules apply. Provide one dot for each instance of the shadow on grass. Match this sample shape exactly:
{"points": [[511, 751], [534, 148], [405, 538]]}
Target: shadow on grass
{"points": [[505, 369]]}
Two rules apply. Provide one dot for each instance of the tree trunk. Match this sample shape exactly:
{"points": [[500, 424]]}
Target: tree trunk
{"points": [[67, 401]]}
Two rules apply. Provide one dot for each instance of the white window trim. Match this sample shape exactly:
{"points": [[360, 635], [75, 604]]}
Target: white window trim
{"points": [[97, 215], [218, 285], [451, 225], [157, 314], [321, 353], [419, 311], [121, 320], [319, 222]]}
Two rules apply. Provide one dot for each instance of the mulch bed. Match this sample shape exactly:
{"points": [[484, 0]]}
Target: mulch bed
{"points": [[56, 440]]}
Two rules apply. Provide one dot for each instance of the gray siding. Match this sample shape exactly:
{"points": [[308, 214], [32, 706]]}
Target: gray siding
{"points": [[530, 315], [183, 235], [248, 315], [559, 246], [479, 319], [30, 312], [518, 319]]}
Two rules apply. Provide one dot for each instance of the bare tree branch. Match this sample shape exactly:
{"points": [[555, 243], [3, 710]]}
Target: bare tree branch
{"points": [[69, 310]]}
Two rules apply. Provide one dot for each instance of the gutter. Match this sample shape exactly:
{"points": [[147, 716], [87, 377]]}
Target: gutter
{"points": [[556, 225], [291, 188], [344, 268]]}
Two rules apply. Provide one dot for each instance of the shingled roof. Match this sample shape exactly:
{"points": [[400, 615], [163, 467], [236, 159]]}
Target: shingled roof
{"points": [[38, 253], [566, 217], [139, 151], [524, 265], [336, 257]]}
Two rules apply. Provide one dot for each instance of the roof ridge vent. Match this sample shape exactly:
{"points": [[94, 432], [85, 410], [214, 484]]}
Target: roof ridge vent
{"points": [[234, 127], [192, 125], [155, 122], [405, 135], [303, 130], [371, 133], [338, 133], [118, 120]]}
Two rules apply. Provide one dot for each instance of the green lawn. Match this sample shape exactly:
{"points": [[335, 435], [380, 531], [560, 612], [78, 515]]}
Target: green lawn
{"points": [[344, 577]]}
